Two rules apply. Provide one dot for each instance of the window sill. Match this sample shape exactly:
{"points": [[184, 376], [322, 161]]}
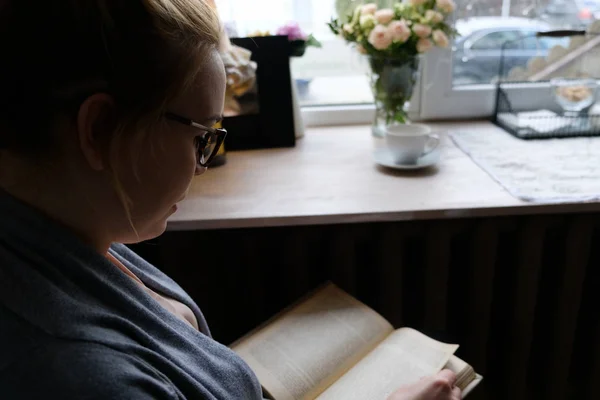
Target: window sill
{"points": [[314, 116], [330, 178], [476, 101]]}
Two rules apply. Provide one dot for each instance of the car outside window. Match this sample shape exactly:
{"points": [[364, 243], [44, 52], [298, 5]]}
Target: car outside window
{"points": [[495, 41]]}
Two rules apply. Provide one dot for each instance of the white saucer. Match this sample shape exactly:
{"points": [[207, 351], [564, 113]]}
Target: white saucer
{"points": [[382, 156]]}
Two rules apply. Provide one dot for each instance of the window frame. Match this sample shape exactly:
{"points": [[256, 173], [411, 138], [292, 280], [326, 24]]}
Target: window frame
{"points": [[443, 100], [436, 98]]}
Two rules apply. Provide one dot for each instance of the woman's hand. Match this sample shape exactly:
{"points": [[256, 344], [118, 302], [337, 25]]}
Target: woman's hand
{"points": [[437, 387]]}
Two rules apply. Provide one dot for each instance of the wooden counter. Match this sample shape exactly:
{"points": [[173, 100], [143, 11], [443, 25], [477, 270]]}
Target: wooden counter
{"points": [[330, 177]]}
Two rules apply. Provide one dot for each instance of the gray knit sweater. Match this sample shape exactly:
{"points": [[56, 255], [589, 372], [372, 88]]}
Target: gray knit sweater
{"points": [[73, 326]]}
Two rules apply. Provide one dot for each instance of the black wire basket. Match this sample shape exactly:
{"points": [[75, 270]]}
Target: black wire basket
{"points": [[564, 93]]}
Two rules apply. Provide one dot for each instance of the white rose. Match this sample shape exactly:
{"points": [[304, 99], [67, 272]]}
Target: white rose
{"points": [[434, 16], [348, 28], [440, 38], [356, 14], [399, 31], [421, 30], [367, 22], [417, 2], [401, 7], [447, 6], [384, 16], [368, 9], [380, 37], [424, 45]]}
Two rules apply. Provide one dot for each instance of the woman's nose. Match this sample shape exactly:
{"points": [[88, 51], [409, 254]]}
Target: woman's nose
{"points": [[200, 170]]}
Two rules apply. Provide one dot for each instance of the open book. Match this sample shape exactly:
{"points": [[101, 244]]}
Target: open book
{"points": [[331, 346]]}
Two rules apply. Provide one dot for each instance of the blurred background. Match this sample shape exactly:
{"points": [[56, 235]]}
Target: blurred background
{"points": [[336, 74]]}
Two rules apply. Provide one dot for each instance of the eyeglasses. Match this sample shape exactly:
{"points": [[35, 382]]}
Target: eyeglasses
{"points": [[207, 144]]}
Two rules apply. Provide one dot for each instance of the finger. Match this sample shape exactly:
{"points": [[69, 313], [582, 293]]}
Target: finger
{"points": [[456, 393], [447, 375]]}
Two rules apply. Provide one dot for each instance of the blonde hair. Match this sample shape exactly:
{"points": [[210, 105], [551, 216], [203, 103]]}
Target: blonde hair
{"points": [[142, 52]]}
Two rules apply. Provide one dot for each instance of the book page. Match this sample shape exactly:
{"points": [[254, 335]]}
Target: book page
{"points": [[402, 358], [306, 349]]}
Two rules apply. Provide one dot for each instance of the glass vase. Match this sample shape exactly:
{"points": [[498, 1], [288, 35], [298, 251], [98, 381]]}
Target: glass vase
{"points": [[392, 83]]}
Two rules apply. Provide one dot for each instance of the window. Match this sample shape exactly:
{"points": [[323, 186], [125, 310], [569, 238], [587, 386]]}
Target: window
{"points": [[477, 57], [530, 42], [331, 76], [458, 83], [454, 83], [495, 40]]}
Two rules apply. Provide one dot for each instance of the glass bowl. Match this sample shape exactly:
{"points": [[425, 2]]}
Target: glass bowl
{"points": [[574, 95]]}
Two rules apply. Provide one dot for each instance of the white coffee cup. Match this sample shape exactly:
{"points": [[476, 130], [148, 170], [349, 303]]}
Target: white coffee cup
{"points": [[407, 143]]}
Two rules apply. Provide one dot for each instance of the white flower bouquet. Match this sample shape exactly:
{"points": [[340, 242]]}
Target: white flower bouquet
{"points": [[409, 28], [393, 38]]}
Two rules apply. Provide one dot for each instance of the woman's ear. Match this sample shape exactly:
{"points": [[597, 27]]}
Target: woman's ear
{"points": [[95, 124]]}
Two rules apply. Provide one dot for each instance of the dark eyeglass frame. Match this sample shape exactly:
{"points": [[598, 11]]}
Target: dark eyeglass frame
{"points": [[218, 133]]}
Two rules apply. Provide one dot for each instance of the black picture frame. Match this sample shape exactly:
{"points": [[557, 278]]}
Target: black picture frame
{"points": [[273, 126]]}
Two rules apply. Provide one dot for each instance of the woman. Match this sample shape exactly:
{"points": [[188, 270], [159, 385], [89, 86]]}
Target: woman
{"points": [[106, 109]]}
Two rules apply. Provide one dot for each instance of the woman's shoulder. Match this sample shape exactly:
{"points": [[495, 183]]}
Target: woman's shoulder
{"points": [[147, 272], [144, 270], [137, 264], [58, 368], [157, 280]]}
